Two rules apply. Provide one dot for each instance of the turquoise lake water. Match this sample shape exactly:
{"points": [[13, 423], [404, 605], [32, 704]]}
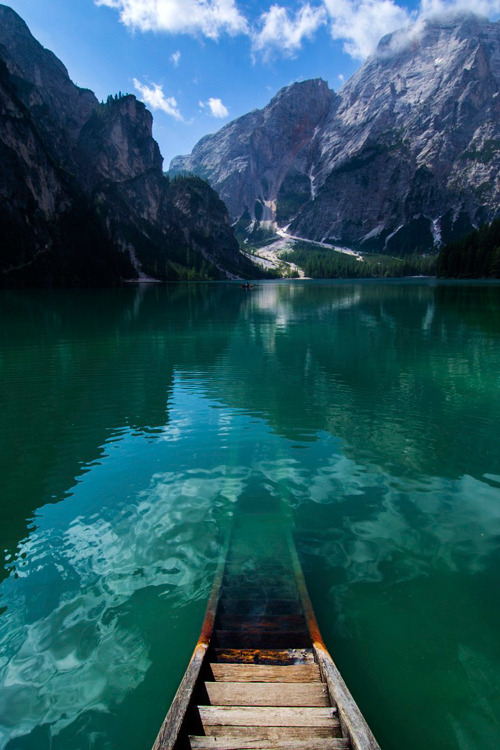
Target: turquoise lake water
{"points": [[134, 420]]}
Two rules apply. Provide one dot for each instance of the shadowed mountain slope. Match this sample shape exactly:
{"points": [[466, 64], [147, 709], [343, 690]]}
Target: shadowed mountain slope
{"points": [[83, 196]]}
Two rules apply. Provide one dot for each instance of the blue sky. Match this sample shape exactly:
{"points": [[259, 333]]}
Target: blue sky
{"points": [[197, 64]]}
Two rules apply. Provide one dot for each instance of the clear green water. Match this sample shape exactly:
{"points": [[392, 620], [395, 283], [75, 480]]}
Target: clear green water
{"points": [[132, 422]]}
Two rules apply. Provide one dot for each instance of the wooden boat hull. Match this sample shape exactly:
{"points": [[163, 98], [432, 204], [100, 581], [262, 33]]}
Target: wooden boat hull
{"points": [[261, 676]]}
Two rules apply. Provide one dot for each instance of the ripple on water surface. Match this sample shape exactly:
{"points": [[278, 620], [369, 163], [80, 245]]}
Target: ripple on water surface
{"points": [[136, 422]]}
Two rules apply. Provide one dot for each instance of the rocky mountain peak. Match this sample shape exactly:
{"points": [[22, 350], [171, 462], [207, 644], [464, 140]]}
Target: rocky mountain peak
{"points": [[83, 198], [406, 155], [24, 49], [27, 58], [249, 158], [119, 138], [311, 89]]}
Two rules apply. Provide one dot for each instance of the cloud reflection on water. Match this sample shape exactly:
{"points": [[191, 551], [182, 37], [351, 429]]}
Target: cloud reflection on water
{"points": [[391, 397], [75, 656]]}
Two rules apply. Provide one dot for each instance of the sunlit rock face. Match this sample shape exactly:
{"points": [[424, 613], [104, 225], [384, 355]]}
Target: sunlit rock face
{"points": [[248, 160], [84, 197], [405, 156]]}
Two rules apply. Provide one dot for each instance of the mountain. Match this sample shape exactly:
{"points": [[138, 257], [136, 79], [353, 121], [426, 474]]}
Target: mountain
{"points": [[83, 196], [250, 158], [405, 156]]}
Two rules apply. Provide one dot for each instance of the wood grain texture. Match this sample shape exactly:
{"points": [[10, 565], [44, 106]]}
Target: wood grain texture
{"points": [[267, 717], [284, 656], [174, 719], [352, 720], [274, 733], [353, 723], [269, 639], [265, 673], [275, 686], [267, 694], [261, 622], [227, 743]]}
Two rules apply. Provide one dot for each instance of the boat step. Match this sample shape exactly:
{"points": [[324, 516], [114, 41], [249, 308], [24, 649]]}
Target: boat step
{"points": [[260, 579], [261, 622], [255, 606], [281, 656], [226, 743], [272, 734], [259, 592], [267, 694], [268, 716], [262, 639], [265, 673]]}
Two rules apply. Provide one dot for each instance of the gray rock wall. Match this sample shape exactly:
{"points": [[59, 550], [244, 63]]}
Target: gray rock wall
{"points": [[406, 155], [84, 198]]}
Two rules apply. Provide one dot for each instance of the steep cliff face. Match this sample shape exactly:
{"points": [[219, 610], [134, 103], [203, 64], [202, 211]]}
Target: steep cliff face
{"points": [[408, 154], [85, 198], [248, 160], [411, 156], [49, 232]]}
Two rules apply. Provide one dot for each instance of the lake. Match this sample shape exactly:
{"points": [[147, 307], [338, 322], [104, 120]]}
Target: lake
{"points": [[134, 421]]}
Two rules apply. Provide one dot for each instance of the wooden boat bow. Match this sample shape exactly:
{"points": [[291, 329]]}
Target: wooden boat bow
{"points": [[260, 675]]}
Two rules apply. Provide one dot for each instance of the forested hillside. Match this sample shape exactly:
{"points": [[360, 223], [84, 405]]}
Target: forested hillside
{"points": [[476, 256]]}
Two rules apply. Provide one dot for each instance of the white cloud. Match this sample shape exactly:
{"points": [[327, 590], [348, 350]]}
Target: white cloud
{"points": [[480, 7], [154, 97], [281, 33], [175, 57], [216, 107], [210, 18], [359, 24], [362, 23]]}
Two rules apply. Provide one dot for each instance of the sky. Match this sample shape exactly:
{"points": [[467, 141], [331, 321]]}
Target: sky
{"points": [[197, 64]]}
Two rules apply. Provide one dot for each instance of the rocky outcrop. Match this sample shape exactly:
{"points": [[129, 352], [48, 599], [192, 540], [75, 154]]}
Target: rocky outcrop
{"points": [[406, 155], [249, 159], [84, 197]]}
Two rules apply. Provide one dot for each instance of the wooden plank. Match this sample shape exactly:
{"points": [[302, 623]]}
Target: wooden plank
{"points": [[259, 592], [261, 622], [352, 720], [174, 719], [265, 673], [173, 722], [227, 743], [248, 716], [263, 625], [262, 639], [283, 656], [260, 606], [260, 580], [274, 733], [267, 694]]}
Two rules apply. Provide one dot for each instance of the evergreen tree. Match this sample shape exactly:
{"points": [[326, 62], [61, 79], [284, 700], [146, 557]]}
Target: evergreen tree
{"points": [[476, 256]]}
